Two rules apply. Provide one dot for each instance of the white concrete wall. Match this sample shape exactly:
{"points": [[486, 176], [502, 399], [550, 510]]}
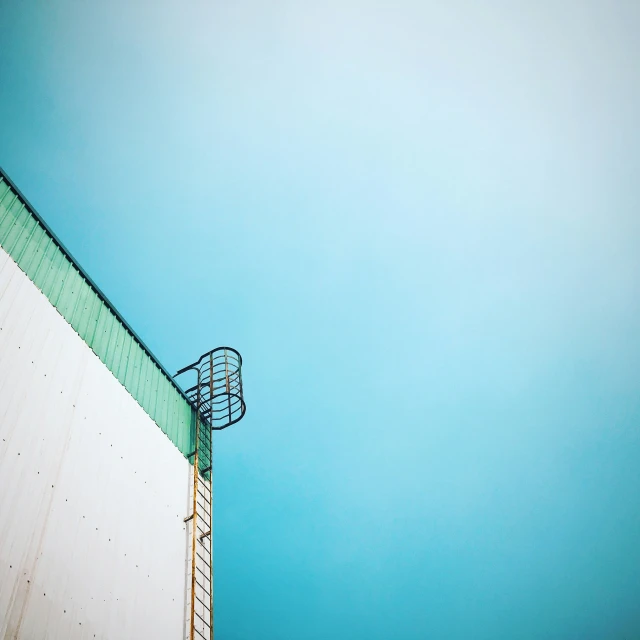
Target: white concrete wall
{"points": [[92, 493]]}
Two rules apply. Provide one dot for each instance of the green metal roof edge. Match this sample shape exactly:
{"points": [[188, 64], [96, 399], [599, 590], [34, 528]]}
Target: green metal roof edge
{"points": [[94, 286], [174, 416]]}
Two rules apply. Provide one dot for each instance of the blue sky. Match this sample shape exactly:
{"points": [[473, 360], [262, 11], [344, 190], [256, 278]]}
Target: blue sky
{"points": [[419, 223]]}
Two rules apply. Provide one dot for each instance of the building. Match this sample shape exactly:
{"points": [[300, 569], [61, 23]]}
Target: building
{"points": [[96, 459]]}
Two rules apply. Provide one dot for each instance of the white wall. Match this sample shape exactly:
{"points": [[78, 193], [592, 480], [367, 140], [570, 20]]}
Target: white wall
{"points": [[92, 493]]}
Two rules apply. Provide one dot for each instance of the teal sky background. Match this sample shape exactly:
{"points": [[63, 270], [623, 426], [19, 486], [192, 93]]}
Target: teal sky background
{"points": [[419, 223]]}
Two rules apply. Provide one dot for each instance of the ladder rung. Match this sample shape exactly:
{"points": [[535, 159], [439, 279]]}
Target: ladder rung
{"points": [[203, 604], [203, 514], [202, 508], [198, 514], [203, 560], [204, 575], [206, 622]]}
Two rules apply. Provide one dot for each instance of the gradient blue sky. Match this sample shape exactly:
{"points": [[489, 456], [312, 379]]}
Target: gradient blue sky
{"points": [[419, 222]]}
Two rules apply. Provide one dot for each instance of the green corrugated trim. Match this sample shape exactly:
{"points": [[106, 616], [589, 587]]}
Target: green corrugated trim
{"points": [[42, 257]]}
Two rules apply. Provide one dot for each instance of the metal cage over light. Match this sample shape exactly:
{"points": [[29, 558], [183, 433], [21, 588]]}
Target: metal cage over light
{"points": [[217, 395]]}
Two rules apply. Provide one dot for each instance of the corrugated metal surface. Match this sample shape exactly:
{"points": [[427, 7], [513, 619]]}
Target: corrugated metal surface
{"points": [[51, 268], [92, 495]]}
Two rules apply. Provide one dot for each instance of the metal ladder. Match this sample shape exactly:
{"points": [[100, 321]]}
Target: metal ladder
{"points": [[200, 523], [218, 401]]}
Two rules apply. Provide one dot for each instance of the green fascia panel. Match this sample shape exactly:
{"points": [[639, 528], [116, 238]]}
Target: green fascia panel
{"points": [[37, 251]]}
